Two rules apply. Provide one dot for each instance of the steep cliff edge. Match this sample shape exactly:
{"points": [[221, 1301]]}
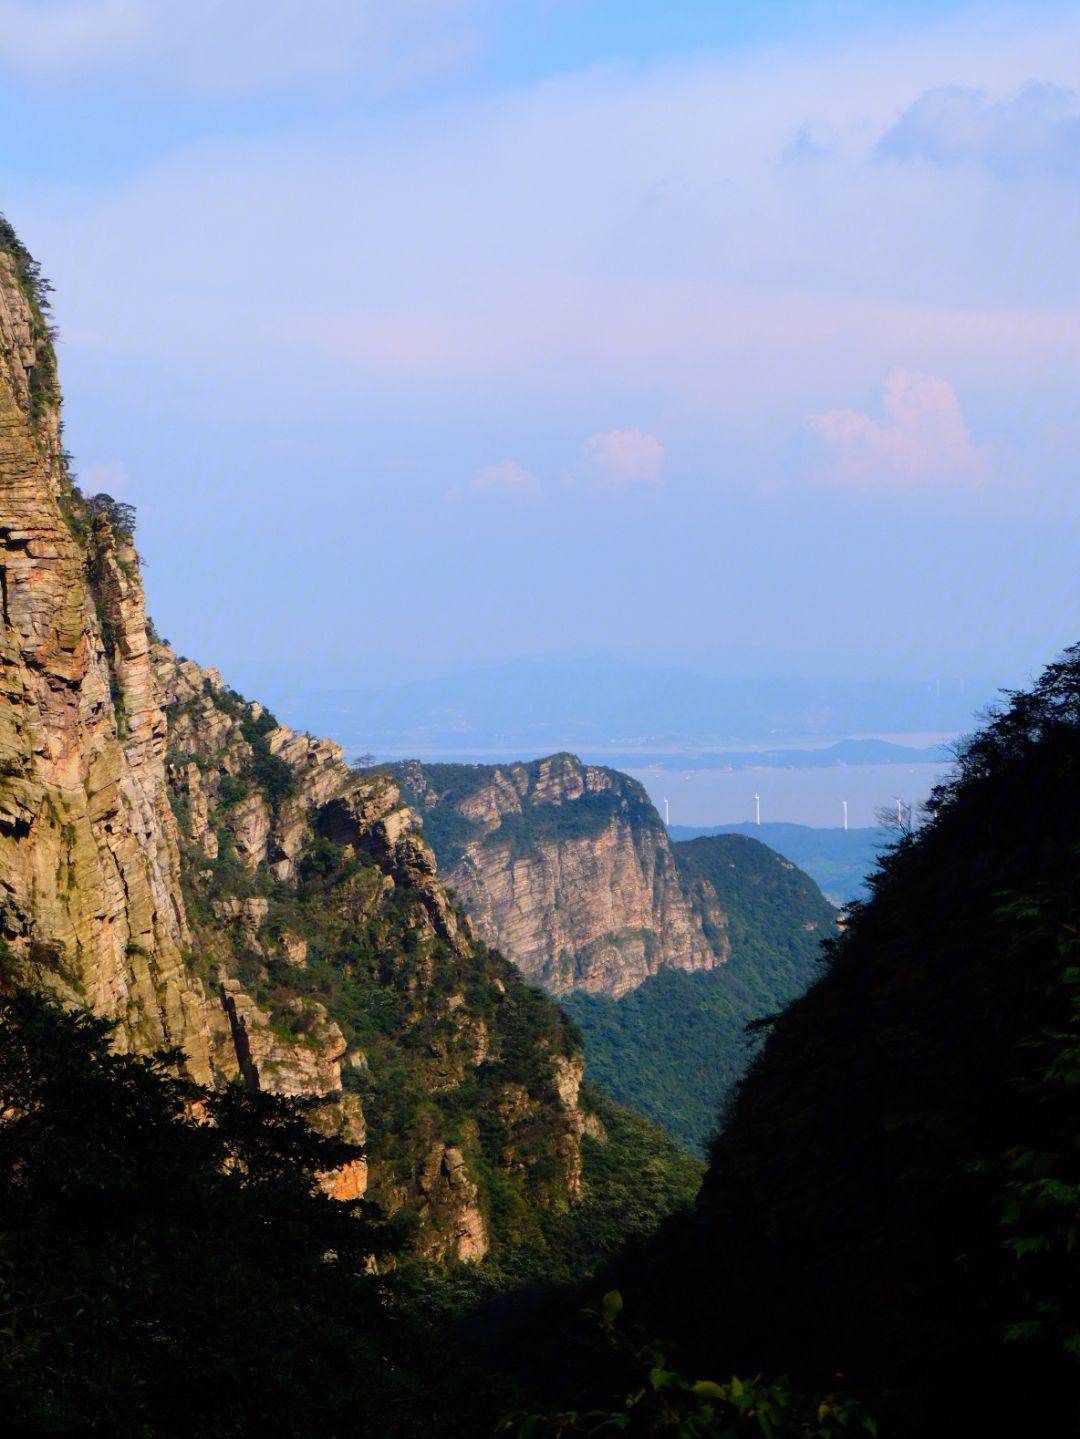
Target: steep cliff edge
{"points": [[347, 972], [289, 931], [566, 867], [661, 953], [89, 883]]}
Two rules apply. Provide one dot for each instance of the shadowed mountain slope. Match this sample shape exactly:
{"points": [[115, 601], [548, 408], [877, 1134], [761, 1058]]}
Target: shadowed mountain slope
{"points": [[894, 1194]]}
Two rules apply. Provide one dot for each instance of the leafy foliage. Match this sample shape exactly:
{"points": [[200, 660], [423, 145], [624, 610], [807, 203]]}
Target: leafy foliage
{"points": [[160, 1275], [1038, 1176], [895, 1190], [445, 1044], [662, 1400], [42, 378], [634, 1179], [121, 516]]}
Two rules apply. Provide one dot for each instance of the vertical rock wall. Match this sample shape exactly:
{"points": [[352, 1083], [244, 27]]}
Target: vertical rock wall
{"points": [[89, 887], [567, 868], [291, 900]]}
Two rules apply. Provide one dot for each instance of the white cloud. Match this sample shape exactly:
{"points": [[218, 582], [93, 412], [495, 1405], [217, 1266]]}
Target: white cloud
{"points": [[227, 45], [67, 35], [623, 457], [625, 241], [922, 439], [805, 145], [1036, 130], [506, 477]]}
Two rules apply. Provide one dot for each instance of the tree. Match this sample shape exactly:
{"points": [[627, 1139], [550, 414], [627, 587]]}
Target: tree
{"points": [[167, 1274], [121, 516]]}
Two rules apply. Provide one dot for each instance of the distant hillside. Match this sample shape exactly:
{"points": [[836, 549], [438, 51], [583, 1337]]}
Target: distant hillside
{"points": [[662, 953], [565, 867], [839, 860], [676, 1046]]}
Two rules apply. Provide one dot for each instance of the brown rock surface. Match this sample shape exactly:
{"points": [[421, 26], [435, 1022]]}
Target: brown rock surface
{"points": [[216, 883], [89, 865], [569, 871]]}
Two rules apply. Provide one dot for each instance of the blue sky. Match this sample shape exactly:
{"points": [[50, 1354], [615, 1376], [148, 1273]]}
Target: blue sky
{"points": [[446, 332]]}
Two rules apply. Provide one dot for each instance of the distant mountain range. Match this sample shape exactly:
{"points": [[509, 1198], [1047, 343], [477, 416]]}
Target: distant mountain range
{"points": [[631, 713], [846, 751]]}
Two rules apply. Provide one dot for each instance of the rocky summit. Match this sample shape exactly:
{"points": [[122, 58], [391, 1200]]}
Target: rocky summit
{"points": [[568, 868]]}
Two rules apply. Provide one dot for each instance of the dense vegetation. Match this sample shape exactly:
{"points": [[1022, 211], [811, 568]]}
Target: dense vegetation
{"points": [[675, 1047], [839, 860], [634, 1177], [44, 388], [539, 821], [383, 975], [167, 1275], [170, 1265], [658, 1398], [895, 1193], [413, 1009]]}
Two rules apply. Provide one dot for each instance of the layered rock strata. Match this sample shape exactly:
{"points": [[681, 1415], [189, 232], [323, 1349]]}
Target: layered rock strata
{"points": [[221, 886], [567, 867]]}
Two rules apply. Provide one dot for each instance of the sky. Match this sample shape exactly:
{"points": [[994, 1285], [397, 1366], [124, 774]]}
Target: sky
{"points": [[436, 334]]}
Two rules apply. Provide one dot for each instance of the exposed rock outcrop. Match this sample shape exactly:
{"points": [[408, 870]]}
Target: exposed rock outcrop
{"points": [[89, 866], [219, 885], [567, 868]]}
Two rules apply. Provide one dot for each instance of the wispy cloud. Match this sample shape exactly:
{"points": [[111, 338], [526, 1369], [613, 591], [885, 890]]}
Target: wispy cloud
{"points": [[623, 457], [1037, 130], [921, 439], [506, 477], [804, 145], [559, 252]]}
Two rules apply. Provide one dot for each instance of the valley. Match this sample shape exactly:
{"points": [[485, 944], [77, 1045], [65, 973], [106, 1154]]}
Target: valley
{"points": [[578, 932], [661, 952]]}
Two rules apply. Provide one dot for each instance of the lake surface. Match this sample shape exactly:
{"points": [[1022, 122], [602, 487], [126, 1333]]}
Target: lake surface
{"points": [[796, 795]]}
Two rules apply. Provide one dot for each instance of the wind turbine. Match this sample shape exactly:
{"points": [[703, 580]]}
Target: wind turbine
{"points": [[667, 814], [844, 803], [757, 808]]}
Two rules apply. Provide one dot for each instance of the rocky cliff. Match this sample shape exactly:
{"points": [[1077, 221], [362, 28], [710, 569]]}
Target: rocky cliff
{"points": [[567, 868], [676, 1047], [89, 863], [346, 972], [179, 862]]}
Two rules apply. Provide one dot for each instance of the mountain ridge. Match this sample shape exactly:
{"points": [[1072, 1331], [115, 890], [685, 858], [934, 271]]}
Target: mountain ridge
{"points": [[566, 867]]}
